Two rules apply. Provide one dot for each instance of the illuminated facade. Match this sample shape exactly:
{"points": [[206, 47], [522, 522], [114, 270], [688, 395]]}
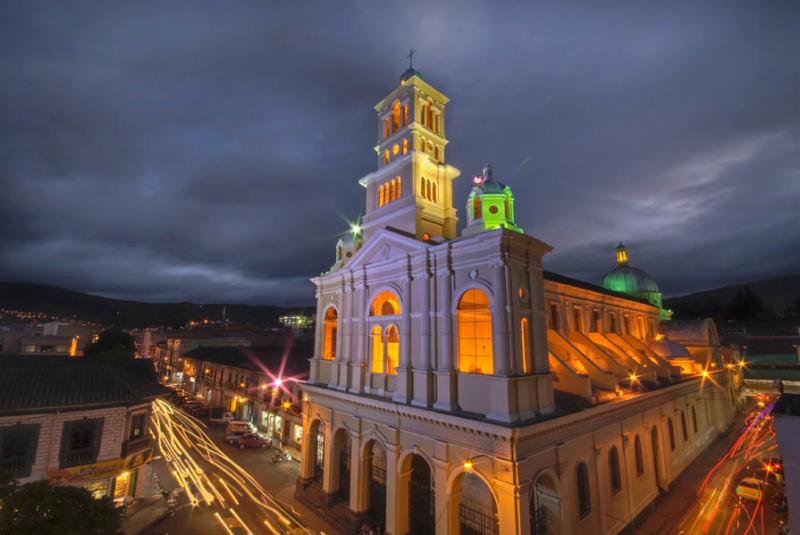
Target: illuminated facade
{"points": [[457, 387]]}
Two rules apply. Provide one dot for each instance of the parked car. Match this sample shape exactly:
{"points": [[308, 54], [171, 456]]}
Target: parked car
{"points": [[254, 440], [235, 437], [750, 488], [224, 418], [240, 425]]}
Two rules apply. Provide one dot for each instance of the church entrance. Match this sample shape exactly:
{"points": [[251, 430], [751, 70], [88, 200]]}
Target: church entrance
{"points": [[342, 444], [421, 498], [376, 479]]}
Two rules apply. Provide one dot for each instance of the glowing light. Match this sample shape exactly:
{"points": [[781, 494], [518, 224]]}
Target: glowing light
{"points": [[477, 180], [286, 405], [278, 382], [704, 374], [355, 229], [633, 377], [468, 465], [264, 386]]}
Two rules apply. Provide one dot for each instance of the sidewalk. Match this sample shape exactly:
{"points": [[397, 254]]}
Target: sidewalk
{"points": [[669, 509]]}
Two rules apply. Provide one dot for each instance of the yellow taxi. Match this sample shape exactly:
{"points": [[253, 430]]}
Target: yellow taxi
{"points": [[750, 488]]}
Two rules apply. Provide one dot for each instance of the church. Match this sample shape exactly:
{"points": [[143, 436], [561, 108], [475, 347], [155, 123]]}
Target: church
{"points": [[457, 386]]}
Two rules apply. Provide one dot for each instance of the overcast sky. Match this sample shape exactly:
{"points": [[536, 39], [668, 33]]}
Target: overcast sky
{"points": [[211, 152]]}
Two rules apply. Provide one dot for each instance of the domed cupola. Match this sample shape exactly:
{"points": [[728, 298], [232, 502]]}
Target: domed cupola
{"points": [[633, 281], [490, 205]]}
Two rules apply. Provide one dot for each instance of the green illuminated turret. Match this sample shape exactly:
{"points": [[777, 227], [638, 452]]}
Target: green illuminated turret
{"points": [[633, 281], [490, 205]]}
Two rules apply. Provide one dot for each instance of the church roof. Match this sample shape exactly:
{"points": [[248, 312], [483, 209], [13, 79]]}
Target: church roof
{"points": [[410, 72], [630, 280]]}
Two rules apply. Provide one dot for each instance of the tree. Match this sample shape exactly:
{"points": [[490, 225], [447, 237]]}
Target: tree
{"points": [[41, 509], [114, 343]]}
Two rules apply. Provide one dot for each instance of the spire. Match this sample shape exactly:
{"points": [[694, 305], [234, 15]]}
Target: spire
{"points": [[622, 254], [411, 58], [410, 71]]}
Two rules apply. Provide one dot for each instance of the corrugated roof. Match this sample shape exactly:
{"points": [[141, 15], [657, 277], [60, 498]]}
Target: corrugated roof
{"points": [[41, 383]]}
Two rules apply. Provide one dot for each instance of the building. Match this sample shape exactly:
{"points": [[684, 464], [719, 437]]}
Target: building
{"points": [[77, 422], [259, 384], [457, 387], [167, 356], [787, 432], [50, 338]]}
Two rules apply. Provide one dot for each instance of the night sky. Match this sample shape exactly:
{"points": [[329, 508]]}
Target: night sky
{"points": [[211, 152]]}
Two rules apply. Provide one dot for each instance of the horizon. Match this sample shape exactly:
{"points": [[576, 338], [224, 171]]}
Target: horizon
{"points": [[144, 162]]}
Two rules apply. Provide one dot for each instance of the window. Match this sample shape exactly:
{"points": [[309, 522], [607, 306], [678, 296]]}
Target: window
{"points": [[684, 431], [595, 324], [80, 442], [377, 349], [138, 426], [392, 350], [523, 329], [554, 316], [386, 156], [298, 434], [613, 466], [612, 323], [694, 420], [386, 131], [671, 431], [405, 146], [18, 449], [395, 116], [329, 330], [577, 320], [474, 333], [584, 497], [637, 451], [405, 115], [385, 303]]}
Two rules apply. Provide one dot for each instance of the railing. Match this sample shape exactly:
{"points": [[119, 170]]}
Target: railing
{"points": [[15, 465], [77, 458], [539, 521]]}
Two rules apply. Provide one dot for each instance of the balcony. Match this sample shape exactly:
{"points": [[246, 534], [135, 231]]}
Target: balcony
{"points": [[16, 466], [77, 458], [135, 445]]}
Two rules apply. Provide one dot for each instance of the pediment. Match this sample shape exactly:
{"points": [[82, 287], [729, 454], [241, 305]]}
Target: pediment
{"points": [[386, 246]]}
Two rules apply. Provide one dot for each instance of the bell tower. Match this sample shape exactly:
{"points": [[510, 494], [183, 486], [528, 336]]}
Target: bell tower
{"points": [[412, 188]]}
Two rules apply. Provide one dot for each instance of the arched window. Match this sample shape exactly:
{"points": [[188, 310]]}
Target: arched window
{"points": [[377, 350], [329, 334], [395, 116], [584, 496], [385, 303], [477, 511], [684, 430], [390, 185], [671, 431], [399, 188], [405, 146], [392, 350], [613, 467], [475, 333], [422, 114], [405, 115], [523, 329], [386, 131], [380, 195], [435, 196], [430, 115], [386, 156], [428, 189], [694, 420], [395, 149], [637, 452]]}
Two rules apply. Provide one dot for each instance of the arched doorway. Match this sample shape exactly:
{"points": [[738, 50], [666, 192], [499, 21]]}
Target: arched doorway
{"points": [[545, 506], [477, 511], [341, 456], [421, 498], [655, 448], [376, 482], [316, 444]]}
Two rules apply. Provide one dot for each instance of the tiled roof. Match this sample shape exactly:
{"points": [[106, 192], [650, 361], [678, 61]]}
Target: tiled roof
{"points": [[289, 358], [42, 383]]}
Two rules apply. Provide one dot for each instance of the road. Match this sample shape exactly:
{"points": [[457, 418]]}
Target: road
{"points": [[718, 509], [224, 498]]}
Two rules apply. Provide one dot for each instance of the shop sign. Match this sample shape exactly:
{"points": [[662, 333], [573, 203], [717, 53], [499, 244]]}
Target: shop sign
{"points": [[103, 470]]}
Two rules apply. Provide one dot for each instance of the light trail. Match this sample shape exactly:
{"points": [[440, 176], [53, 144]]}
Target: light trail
{"points": [[185, 446]]}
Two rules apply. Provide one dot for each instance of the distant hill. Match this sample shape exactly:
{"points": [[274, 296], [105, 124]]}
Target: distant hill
{"points": [[65, 303], [772, 299]]}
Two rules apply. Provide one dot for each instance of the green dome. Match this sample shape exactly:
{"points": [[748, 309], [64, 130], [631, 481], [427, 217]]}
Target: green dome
{"points": [[630, 280]]}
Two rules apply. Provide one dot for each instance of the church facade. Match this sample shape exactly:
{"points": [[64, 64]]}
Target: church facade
{"points": [[458, 387]]}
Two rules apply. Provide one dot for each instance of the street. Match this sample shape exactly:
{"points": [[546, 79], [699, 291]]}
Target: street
{"points": [[223, 496], [718, 508]]}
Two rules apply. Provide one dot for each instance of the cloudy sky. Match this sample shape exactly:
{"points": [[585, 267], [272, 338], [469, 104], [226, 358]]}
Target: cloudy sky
{"points": [[211, 152]]}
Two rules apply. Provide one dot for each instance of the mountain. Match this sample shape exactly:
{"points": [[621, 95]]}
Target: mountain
{"points": [[768, 299], [63, 303]]}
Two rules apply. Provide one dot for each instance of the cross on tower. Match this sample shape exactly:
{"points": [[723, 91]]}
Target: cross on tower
{"points": [[411, 58]]}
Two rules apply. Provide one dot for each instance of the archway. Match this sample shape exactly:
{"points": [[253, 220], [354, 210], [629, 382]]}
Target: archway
{"points": [[316, 445], [375, 464], [341, 456], [477, 510], [545, 506], [421, 498]]}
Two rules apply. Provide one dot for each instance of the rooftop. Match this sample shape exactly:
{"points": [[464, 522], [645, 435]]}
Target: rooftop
{"points": [[40, 384], [289, 358]]}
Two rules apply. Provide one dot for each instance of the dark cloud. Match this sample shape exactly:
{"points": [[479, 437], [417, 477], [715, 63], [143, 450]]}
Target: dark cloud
{"points": [[211, 152]]}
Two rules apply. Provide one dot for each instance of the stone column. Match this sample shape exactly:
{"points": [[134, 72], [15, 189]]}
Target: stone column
{"points": [[396, 521], [446, 377], [345, 325], [306, 450], [512, 511], [359, 360], [499, 323], [538, 327], [422, 376], [402, 393], [442, 498], [358, 501], [328, 484]]}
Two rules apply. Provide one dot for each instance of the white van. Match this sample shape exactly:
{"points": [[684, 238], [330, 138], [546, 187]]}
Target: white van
{"points": [[240, 426]]}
